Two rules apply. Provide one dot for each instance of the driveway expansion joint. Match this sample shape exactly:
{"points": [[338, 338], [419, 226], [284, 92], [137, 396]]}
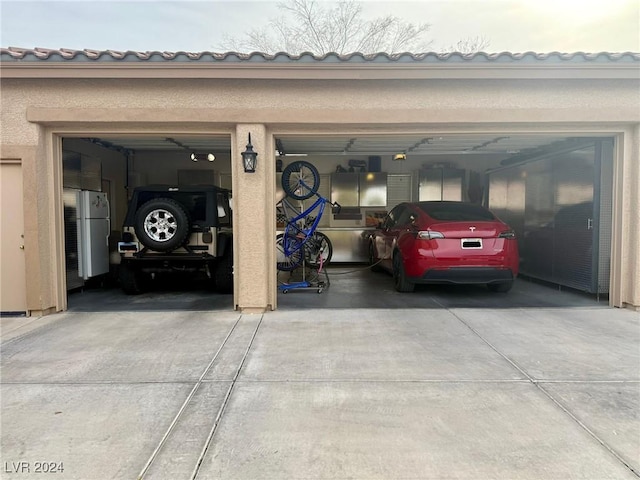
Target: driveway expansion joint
{"points": [[222, 409], [186, 402], [539, 385]]}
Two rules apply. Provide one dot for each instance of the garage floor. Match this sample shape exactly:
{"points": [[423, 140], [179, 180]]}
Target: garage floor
{"points": [[351, 286]]}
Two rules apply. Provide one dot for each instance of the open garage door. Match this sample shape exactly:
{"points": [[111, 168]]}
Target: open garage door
{"points": [[175, 251], [553, 190], [530, 181]]}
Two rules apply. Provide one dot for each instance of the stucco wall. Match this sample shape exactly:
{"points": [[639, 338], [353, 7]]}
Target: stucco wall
{"points": [[323, 102], [208, 105], [113, 169]]}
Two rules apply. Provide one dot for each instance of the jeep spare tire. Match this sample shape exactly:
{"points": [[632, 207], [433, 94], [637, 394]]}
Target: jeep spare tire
{"points": [[162, 224]]}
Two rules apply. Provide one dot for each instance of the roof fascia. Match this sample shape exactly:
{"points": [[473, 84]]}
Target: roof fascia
{"points": [[179, 70]]}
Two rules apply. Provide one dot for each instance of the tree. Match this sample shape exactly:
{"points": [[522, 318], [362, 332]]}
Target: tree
{"points": [[320, 29]]}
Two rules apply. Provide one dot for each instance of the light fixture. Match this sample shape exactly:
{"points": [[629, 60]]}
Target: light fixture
{"points": [[400, 156], [249, 158], [210, 157]]}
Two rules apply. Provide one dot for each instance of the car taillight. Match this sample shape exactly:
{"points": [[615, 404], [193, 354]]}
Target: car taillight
{"points": [[429, 235], [507, 234]]}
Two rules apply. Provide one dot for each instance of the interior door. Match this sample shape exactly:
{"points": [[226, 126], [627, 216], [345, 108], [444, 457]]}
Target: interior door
{"points": [[13, 287]]}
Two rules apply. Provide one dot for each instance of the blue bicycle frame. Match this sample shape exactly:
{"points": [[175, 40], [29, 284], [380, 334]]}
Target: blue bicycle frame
{"points": [[295, 236]]}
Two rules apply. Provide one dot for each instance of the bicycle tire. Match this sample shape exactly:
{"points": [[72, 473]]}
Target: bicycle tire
{"points": [[318, 242], [287, 263], [300, 180]]}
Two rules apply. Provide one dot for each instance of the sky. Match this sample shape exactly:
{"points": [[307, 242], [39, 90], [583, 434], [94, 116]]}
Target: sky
{"points": [[196, 26]]}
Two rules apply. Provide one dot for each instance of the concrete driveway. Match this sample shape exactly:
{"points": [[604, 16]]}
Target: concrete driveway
{"points": [[450, 393]]}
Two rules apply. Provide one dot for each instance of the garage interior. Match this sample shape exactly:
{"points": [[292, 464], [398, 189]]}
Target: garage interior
{"points": [[554, 189]]}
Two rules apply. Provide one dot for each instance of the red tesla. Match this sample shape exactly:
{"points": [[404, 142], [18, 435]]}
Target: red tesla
{"points": [[445, 242]]}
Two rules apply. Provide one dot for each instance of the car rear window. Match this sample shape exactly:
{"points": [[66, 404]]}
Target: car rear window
{"points": [[456, 212], [194, 203]]}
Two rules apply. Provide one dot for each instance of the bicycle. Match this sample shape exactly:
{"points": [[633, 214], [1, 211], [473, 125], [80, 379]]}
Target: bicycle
{"points": [[301, 240]]}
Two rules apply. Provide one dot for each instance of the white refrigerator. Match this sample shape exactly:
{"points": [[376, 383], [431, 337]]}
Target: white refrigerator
{"points": [[94, 227]]}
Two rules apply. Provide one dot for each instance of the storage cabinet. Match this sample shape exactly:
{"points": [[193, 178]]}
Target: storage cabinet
{"points": [[441, 183], [560, 208], [359, 189]]}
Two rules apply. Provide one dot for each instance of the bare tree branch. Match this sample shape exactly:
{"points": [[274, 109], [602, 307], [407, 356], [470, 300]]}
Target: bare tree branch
{"points": [[468, 45], [321, 28], [309, 25]]}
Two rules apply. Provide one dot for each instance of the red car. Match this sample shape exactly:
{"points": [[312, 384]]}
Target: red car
{"points": [[445, 242]]}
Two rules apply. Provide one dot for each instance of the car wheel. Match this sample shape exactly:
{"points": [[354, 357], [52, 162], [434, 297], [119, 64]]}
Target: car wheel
{"points": [[400, 280], [223, 274], [132, 281], [210, 274], [503, 287], [374, 263], [162, 224]]}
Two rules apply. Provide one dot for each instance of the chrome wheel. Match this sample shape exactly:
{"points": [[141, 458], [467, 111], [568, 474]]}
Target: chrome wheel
{"points": [[160, 225]]}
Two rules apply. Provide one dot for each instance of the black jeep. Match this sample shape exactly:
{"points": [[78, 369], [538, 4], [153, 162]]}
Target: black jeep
{"points": [[174, 228]]}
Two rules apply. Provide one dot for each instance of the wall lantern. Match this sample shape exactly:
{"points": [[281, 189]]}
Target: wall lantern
{"points": [[249, 158], [210, 157]]}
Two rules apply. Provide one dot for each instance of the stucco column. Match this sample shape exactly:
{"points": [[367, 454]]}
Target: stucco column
{"points": [[633, 287], [254, 221], [625, 241]]}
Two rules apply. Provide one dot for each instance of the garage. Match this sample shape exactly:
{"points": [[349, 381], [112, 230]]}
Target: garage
{"points": [[533, 137], [120, 170], [369, 175]]}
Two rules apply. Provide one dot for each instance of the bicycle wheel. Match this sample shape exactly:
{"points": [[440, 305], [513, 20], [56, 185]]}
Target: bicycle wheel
{"points": [[300, 180], [287, 263], [318, 250]]}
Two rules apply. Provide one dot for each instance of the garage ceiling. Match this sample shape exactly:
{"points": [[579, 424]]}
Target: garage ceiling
{"points": [[415, 144], [347, 144], [210, 143]]}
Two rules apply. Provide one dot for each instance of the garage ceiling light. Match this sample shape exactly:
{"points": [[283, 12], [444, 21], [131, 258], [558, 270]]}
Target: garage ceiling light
{"points": [[210, 157]]}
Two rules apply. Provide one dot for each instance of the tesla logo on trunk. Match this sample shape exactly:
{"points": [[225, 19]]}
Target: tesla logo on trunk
{"points": [[472, 228]]}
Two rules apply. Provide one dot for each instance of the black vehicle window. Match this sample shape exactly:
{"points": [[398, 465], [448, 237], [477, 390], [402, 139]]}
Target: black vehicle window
{"points": [[198, 207], [406, 217], [224, 212], [392, 218], [194, 203], [456, 212]]}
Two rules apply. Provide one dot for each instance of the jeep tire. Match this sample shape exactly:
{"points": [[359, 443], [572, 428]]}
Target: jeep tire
{"points": [[132, 281], [162, 224], [223, 273]]}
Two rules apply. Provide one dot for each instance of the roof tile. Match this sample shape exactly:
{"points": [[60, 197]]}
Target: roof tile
{"points": [[64, 54]]}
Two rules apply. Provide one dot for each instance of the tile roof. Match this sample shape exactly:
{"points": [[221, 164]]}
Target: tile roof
{"points": [[69, 55]]}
